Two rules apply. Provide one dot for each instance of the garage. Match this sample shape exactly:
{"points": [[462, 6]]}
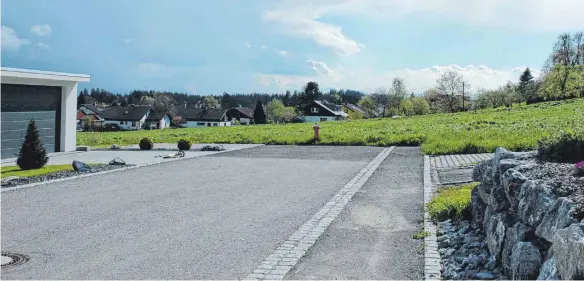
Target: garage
{"points": [[50, 98]]}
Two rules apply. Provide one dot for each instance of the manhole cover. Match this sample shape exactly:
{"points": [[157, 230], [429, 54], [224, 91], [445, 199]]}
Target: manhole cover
{"points": [[12, 259]]}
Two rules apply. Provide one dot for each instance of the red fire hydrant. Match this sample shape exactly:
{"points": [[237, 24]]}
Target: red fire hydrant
{"points": [[316, 130]]}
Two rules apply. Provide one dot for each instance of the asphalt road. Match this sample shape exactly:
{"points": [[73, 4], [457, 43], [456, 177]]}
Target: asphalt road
{"points": [[213, 217], [371, 239]]}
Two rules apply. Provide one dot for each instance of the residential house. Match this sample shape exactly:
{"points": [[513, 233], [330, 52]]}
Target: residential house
{"points": [[242, 114], [158, 120], [131, 117], [354, 111], [321, 111], [91, 111], [203, 117]]}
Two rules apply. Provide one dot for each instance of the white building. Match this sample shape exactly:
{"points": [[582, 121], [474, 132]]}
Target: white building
{"points": [[50, 98]]}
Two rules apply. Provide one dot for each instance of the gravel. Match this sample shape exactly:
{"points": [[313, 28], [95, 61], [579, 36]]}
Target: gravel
{"points": [[16, 181], [562, 178], [464, 260]]}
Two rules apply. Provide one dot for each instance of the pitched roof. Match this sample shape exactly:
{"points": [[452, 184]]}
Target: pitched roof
{"points": [[156, 116], [131, 112], [245, 111], [330, 107], [91, 107], [355, 107], [201, 114]]}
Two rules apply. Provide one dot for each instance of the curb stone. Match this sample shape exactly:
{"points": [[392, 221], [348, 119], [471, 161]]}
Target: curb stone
{"points": [[432, 261], [307, 235], [8, 189]]}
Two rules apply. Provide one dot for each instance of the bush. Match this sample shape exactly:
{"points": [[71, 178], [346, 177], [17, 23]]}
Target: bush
{"points": [[566, 147], [146, 144], [32, 154], [184, 144], [451, 203]]}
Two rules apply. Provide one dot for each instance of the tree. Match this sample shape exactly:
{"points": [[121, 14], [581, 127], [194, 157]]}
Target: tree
{"points": [[420, 106], [398, 93], [227, 101], [525, 82], [381, 98], [449, 87], [335, 98], [311, 93], [124, 103], [369, 105], [275, 109], [286, 98], [163, 103], [407, 108], [210, 102], [146, 100], [32, 153], [258, 114]]}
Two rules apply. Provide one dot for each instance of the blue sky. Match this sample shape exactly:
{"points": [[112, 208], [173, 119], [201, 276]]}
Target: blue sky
{"points": [[207, 47]]}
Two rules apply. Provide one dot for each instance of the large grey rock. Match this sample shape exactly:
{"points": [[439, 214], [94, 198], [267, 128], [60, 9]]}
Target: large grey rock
{"points": [[487, 218], [498, 199], [477, 207], [512, 180], [568, 248], [515, 234], [557, 217], [79, 166], [495, 234], [525, 261], [484, 191], [535, 198], [548, 270], [479, 170], [500, 155]]}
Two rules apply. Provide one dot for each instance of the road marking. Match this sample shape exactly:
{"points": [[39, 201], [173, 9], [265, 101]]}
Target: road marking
{"points": [[7, 189], [288, 254]]}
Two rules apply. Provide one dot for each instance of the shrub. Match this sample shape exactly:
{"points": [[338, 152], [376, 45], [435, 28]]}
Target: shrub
{"points": [[184, 144], [421, 235], [32, 154], [567, 147], [451, 203], [146, 144]]}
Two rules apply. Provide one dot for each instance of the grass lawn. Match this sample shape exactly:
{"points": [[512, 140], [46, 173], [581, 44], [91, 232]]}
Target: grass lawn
{"points": [[482, 131], [16, 171], [451, 202]]}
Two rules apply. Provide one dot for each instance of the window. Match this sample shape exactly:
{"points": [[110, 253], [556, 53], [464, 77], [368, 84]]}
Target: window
{"points": [[323, 119], [214, 124], [208, 124], [200, 124], [314, 110], [133, 123], [123, 123]]}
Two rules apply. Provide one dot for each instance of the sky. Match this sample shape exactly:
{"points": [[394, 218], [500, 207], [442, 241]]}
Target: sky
{"points": [[269, 46]]}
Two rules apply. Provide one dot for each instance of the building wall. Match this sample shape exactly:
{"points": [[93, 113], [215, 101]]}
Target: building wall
{"points": [[165, 123], [313, 119], [198, 124], [127, 125]]}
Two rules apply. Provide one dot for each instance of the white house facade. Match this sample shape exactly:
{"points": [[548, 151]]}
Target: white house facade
{"points": [[50, 98]]}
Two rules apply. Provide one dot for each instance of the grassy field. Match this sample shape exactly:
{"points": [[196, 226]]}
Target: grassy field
{"points": [[481, 131]]}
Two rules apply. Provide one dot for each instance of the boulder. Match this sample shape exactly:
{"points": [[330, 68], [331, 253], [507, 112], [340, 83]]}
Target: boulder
{"points": [[484, 191], [479, 170], [568, 248], [485, 276], [498, 199], [79, 166], [500, 155], [517, 233], [535, 198], [495, 234], [477, 207], [548, 270], [557, 217], [525, 261], [512, 180]]}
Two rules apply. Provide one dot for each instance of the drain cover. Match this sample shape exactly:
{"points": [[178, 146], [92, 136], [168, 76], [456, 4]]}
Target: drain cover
{"points": [[12, 259]]}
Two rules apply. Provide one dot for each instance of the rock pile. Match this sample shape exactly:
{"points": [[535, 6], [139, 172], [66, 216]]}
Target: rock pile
{"points": [[529, 218], [212, 148]]}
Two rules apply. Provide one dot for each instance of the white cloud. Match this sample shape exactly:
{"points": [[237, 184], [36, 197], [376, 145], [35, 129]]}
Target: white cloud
{"points": [[417, 80], [128, 40], [43, 45], [247, 44], [10, 41], [264, 46], [41, 29], [282, 52]]}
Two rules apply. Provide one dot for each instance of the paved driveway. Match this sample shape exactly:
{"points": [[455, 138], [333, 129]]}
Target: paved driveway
{"points": [[212, 217]]}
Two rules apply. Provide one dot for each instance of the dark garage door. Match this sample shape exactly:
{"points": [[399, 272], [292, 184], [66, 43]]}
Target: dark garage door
{"points": [[20, 103]]}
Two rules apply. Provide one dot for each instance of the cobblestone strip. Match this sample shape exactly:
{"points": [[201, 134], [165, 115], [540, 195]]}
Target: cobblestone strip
{"points": [[285, 257], [458, 160], [432, 264]]}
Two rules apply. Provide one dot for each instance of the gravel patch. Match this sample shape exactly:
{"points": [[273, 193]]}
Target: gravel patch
{"points": [[57, 175], [464, 253]]}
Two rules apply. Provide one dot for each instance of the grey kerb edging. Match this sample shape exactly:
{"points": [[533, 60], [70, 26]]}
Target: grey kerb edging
{"points": [[114, 170], [288, 254], [432, 264]]}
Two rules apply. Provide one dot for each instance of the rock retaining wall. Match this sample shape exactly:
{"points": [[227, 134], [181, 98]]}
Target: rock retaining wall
{"points": [[529, 225]]}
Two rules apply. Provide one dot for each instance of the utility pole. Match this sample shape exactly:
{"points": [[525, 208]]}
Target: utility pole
{"points": [[463, 109]]}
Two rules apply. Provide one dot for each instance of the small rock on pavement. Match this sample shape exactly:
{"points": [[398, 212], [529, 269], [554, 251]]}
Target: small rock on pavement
{"points": [[79, 166]]}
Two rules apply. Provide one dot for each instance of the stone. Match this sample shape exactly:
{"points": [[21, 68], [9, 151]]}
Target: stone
{"points": [[495, 234], [79, 166], [557, 217], [212, 148], [441, 238], [479, 170], [83, 148], [475, 245], [6, 181], [525, 261], [442, 252], [500, 155], [548, 270], [459, 259], [449, 252], [516, 233], [470, 274], [512, 180], [117, 161], [498, 199], [114, 147], [568, 248], [490, 265], [535, 198], [485, 276], [444, 244], [487, 217]]}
